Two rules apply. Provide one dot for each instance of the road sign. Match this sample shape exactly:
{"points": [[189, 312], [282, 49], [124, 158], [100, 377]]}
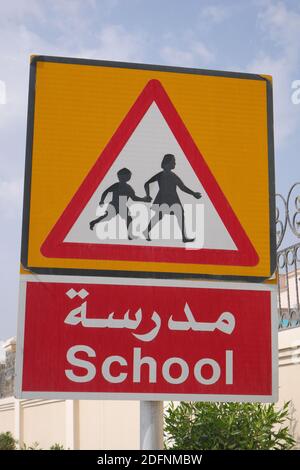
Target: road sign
{"points": [[189, 151], [151, 115], [146, 339]]}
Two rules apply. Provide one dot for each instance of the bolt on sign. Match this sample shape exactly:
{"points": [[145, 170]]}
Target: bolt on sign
{"points": [[141, 170], [146, 339]]}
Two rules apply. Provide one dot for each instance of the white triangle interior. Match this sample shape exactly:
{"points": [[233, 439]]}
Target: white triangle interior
{"points": [[142, 155]]}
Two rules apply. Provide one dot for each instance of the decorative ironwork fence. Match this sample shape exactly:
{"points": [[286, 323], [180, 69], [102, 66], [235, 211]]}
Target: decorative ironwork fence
{"points": [[288, 259]]}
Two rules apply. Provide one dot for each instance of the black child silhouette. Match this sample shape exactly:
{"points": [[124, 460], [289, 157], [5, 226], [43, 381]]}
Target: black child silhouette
{"points": [[168, 182], [121, 192]]}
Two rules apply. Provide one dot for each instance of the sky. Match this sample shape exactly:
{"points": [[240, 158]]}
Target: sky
{"points": [[259, 36]]}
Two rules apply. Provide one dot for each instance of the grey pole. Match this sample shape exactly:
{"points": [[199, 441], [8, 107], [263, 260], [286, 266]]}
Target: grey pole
{"points": [[151, 425]]}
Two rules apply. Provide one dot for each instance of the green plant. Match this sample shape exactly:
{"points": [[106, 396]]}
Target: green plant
{"points": [[34, 446], [7, 441], [194, 426], [57, 446]]}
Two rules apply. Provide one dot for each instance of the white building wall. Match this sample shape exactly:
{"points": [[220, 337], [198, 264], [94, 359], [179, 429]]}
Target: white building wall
{"points": [[43, 422], [108, 424], [289, 375], [78, 424], [7, 415]]}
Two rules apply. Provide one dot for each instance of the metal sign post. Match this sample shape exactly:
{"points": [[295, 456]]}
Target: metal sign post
{"points": [[151, 425]]}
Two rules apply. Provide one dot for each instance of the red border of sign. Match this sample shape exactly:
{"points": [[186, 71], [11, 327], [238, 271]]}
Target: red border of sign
{"points": [[55, 247]]}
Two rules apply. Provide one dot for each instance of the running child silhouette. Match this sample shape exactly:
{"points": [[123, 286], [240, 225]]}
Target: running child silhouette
{"points": [[121, 192], [168, 182]]}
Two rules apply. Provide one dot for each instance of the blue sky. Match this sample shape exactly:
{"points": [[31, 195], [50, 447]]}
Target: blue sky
{"points": [[260, 36]]}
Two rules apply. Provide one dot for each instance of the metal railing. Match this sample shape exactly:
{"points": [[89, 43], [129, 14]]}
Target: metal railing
{"points": [[288, 259]]}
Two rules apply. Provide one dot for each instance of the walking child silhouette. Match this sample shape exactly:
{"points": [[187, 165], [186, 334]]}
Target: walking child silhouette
{"points": [[167, 196], [121, 192]]}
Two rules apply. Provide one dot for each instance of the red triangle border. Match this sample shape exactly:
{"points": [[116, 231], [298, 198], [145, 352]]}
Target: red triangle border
{"points": [[55, 247]]}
